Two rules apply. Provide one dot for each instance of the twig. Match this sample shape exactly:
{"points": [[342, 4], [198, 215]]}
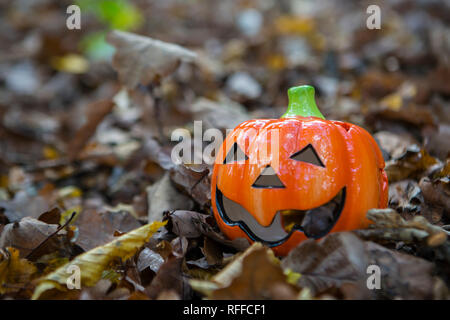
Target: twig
{"points": [[50, 236]]}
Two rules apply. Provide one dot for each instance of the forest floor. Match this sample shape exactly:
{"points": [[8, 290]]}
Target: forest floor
{"points": [[86, 175]]}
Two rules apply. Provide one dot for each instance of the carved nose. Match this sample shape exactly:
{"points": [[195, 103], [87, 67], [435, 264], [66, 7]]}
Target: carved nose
{"points": [[268, 179]]}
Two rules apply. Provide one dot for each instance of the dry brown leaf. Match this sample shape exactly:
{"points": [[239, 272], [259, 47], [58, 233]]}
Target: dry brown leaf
{"points": [[182, 223], [406, 197], [106, 224], [96, 113], [261, 277], [394, 144], [139, 59], [52, 216], [212, 252], [193, 180], [254, 274], [24, 205], [26, 234], [168, 277], [222, 115], [412, 163], [437, 192], [163, 196], [337, 259], [342, 258], [389, 218], [240, 244]]}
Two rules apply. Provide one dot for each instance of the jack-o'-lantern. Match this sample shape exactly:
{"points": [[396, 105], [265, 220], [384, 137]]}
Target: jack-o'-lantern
{"points": [[281, 181]]}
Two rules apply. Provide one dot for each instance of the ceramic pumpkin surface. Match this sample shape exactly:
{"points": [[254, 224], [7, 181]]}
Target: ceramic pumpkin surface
{"points": [[281, 181]]}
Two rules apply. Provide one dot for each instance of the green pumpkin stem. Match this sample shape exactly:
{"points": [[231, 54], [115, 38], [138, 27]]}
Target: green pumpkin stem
{"points": [[302, 103]]}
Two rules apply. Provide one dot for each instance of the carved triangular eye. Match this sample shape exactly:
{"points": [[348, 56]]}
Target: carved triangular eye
{"points": [[309, 155], [235, 154], [268, 179]]}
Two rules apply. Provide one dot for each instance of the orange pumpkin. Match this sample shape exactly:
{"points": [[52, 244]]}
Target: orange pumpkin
{"points": [[281, 181]]}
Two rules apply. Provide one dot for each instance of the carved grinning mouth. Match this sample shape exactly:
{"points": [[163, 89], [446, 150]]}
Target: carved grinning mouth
{"points": [[314, 223]]}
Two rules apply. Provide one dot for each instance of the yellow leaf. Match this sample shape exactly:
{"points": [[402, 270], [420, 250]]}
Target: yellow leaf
{"points": [[392, 101], [292, 276], [50, 153], [14, 271], [205, 287], [4, 181], [94, 262], [233, 269], [294, 25], [68, 213], [70, 192], [240, 279], [261, 277], [123, 207], [72, 63], [276, 62]]}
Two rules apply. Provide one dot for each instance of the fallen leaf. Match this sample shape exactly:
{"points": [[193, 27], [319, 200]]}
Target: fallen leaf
{"points": [[394, 144], [182, 223], [194, 181], [413, 162], [158, 154], [226, 275], [93, 263], [52, 216], [405, 196], [179, 246], [15, 272], [342, 258], [163, 196], [240, 244], [24, 205], [334, 260], [212, 252], [223, 114], [139, 59], [168, 295], [149, 259], [168, 277], [97, 112], [261, 277], [390, 226], [437, 192], [106, 224], [437, 140], [71, 63], [254, 274], [402, 276], [26, 235]]}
